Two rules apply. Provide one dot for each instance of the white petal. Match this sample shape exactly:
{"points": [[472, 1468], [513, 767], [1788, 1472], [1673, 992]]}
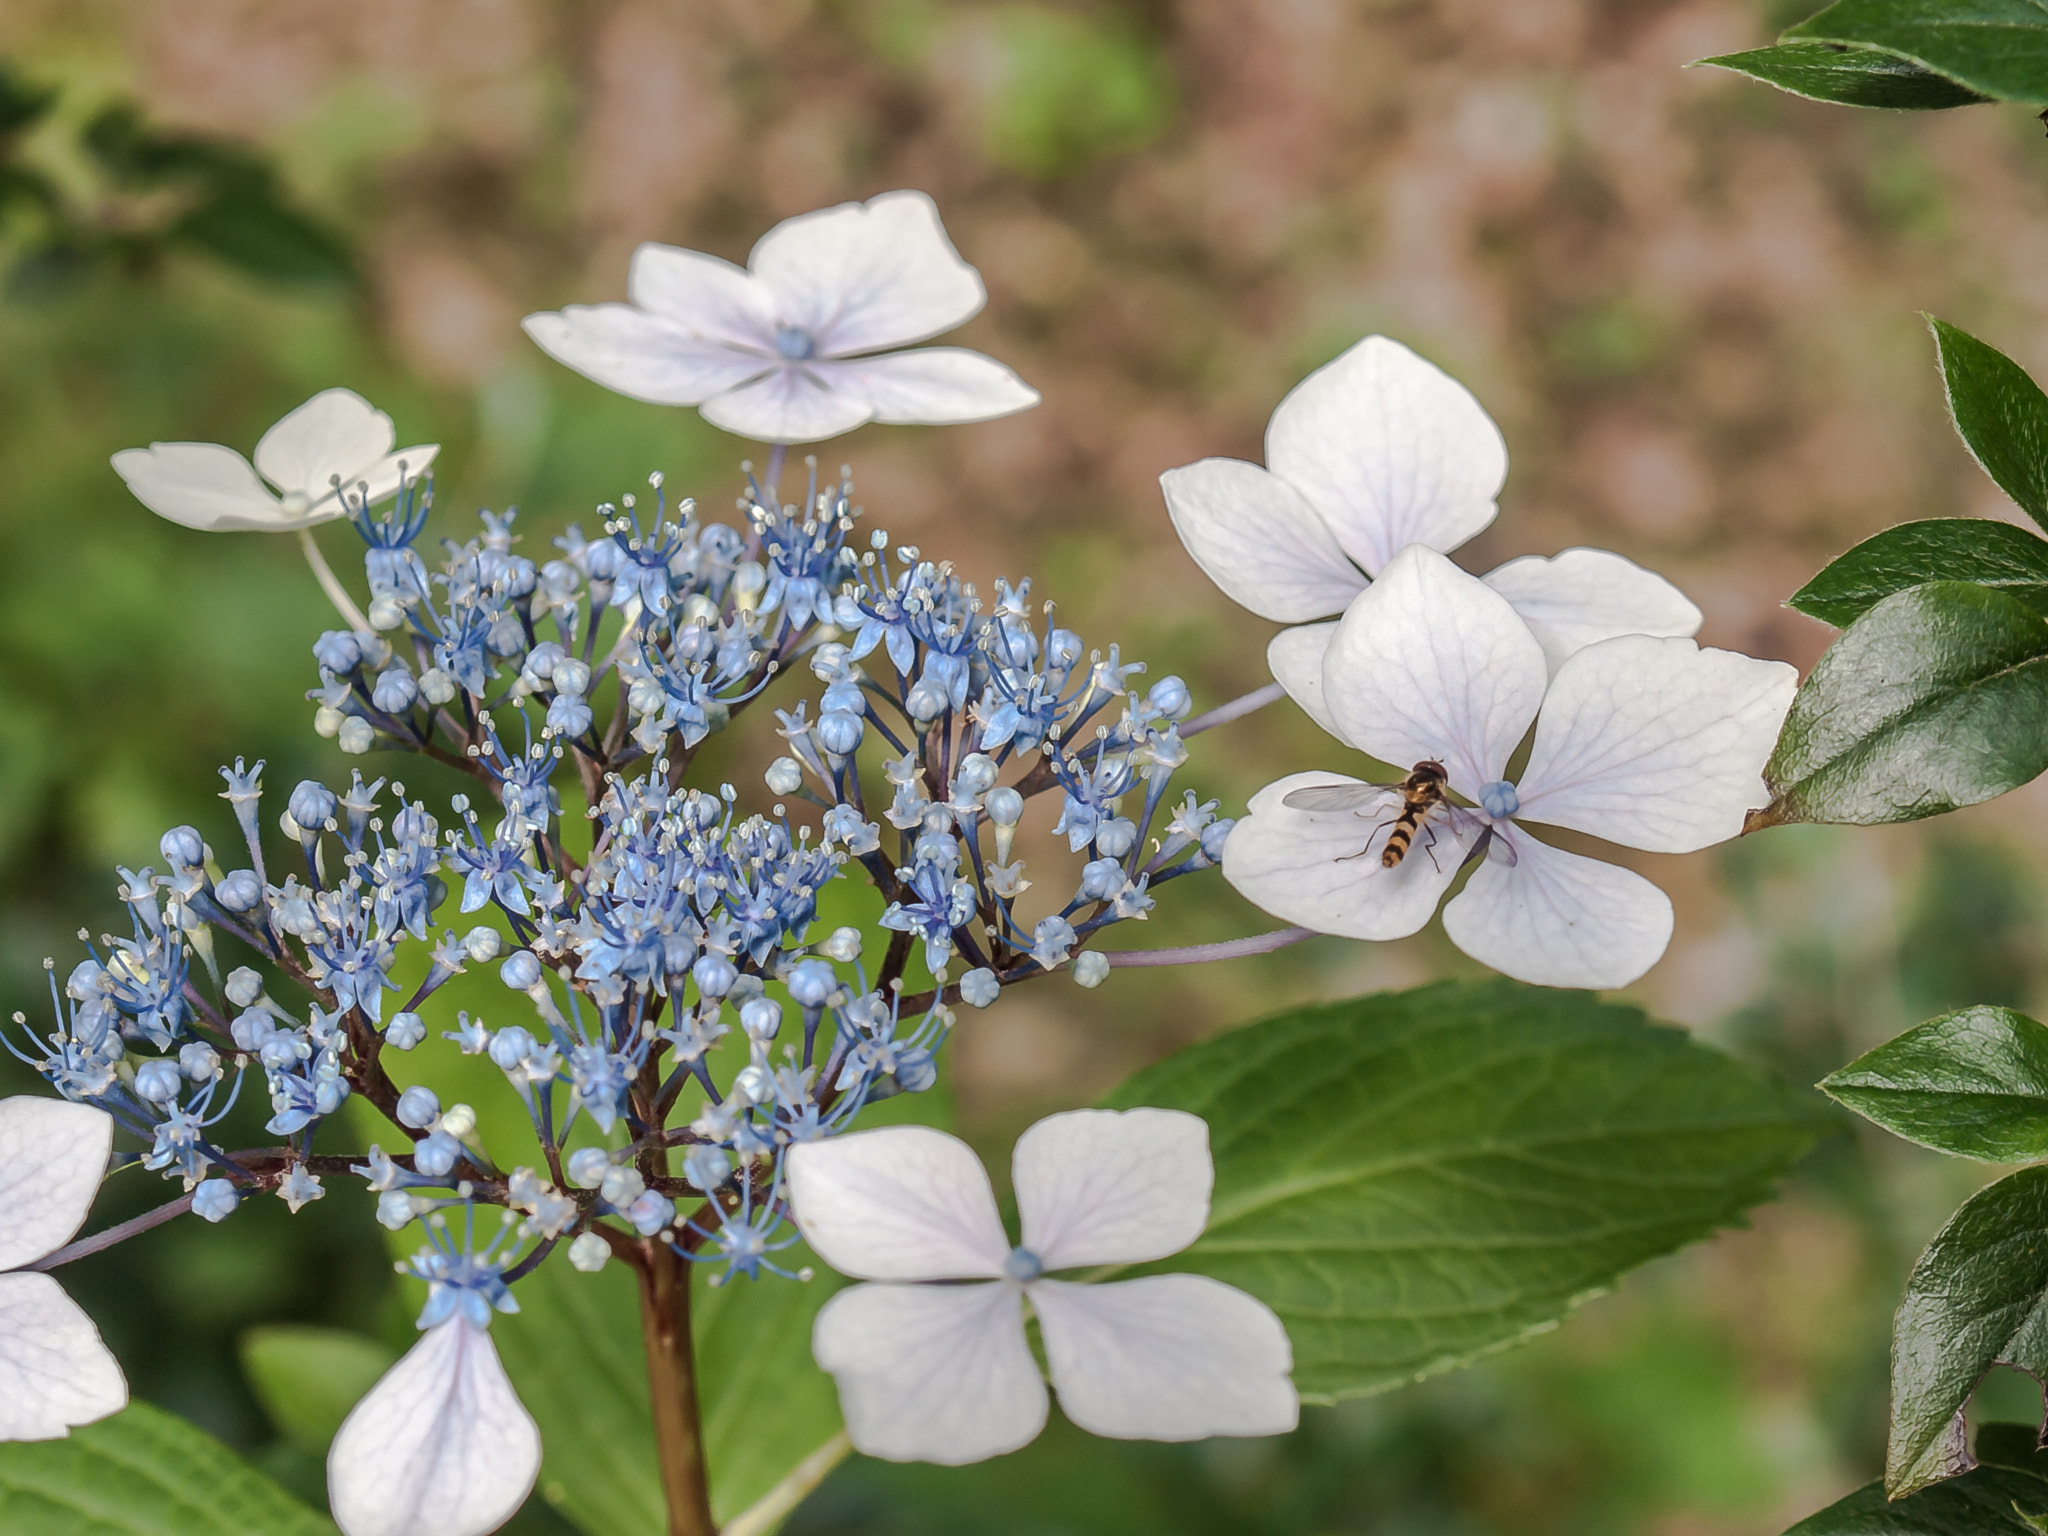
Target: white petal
{"points": [[206, 486], [642, 355], [54, 1371], [1430, 662], [1321, 869], [441, 1446], [792, 405], [1168, 1357], [932, 1372], [1656, 744], [901, 1203], [53, 1154], [1391, 450], [385, 477], [864, 276], [1295, 658], [1095, 1186], [1559, 920], [1256, 537], [931, 385], [1583, 596], [703, 296], [337, 432]]}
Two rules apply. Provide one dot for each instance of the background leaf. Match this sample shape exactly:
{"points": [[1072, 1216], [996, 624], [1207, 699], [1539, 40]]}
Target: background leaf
{"points": [[2000, 412], [1977, 550], [1937, 697], [309, 1378], [1995, 47], [1973, 1083], [1974, 1300], [1986, 1502], [143, 1472], [1850, 77], [1413, 1179]]}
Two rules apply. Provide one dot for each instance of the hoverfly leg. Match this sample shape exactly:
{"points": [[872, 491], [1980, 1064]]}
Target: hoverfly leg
{"points": [[1345, 858]]}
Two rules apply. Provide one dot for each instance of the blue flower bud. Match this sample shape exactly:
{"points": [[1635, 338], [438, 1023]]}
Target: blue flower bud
{"points": [[394, 1209], [239, 891], [1004, 806], [840, 732], [1062, 649], [1113, 839], [418, 1107], [761, 1018], [182, 847], [979, 987], [706, 1168], [199, 1062], [1171, 698], [405, 1030], [621, 1186], [843, 698], [251, 1029], [158, 1081], [483, 944], [395, 690], [1499, 799], [587, 1166], [1091, 968], [311, 804], [650, 1213], [785, 776], [714, 975], [215, 1199], [589, 1253], [1101, 879], [916, 1070], [436, 1156], [976, 774], [569, 715], [336, 650], [520, 971], [243, 987], [811, 982], [1213, 837], [511, 1045], [572, 675]]}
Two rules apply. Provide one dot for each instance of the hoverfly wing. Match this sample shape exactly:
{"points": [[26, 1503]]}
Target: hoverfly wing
{"points": [[1336, 797]]}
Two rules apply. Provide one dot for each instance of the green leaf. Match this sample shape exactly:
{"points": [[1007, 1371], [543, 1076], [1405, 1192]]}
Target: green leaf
{"points": [[309, 1378], [2001, 414], [143, 1472], [574, 1353], [1850, 77], [1991, 1501], [1973, 1084], [1975, 1299], [250, 228], [1414, 1179], [1994, 47], [22, 105], [1936, 698], [1977, 550]]}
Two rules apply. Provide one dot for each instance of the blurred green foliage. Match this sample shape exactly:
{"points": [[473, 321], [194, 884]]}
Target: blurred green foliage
{"points": [[1071, 90]]}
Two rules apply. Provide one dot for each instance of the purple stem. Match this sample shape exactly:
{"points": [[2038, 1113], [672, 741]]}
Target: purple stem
{"points": [[127, 1229], [1197, 954], [1223, 714]]}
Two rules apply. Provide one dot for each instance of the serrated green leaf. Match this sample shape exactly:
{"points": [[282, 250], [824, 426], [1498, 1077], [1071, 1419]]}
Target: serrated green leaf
{"points": [[1972, 1084], [1414, 1179], [2001, 414], [1975, 1299], [1935, 698], [307, 1379], [1996, 48], [1990, 1501], [143, 1472], [1985, 553], [1849, 77]]}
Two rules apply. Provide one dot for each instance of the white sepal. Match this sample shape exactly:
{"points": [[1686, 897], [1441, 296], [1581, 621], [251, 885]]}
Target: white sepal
{"points": [[53, 1155], [1099, 1186], [1582, 596], [54, 1370], [1557, 919], [643, 356], [901, 1203], [1258, 539], [1295, 658]]}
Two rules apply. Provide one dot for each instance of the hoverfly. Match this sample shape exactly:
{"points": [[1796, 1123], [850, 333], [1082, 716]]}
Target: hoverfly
{"points": [[1421, 799]]}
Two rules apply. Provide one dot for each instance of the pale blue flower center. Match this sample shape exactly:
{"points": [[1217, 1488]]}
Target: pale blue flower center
{"points": [[793, 343], [1499, 799], [1022, 1266]]}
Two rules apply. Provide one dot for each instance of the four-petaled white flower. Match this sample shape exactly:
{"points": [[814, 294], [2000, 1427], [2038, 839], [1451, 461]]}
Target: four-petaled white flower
{"points": [[796, 346], [441, 1446], [1648, 742], [1367, 455], [944, 1373], [336, 444], [54, 1371]]}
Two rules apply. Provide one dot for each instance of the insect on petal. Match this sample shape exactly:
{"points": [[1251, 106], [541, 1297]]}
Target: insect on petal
{"points": [[1095, 1186]]}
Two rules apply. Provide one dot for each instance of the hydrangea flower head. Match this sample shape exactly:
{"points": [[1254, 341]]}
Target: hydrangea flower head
{"points": [[54, 1371], [336, 445], [943, 1372], [1649, 742], [799, 344]]}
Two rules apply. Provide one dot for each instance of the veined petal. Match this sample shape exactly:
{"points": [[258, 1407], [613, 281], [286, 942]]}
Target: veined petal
{"points": [[1559, 920], [1656, 744], [1258, 539], [206, 486], [1295, 658], [441, 1446], [932, 1372], [931, 385], [641, 355], [703, 296], [791, 404], [337, 432], [864, 276], [1321, 869], [53, 1155], [54, 1371], [1167, 1357], [1430, 662], [1095, 1186], [1582, 596], [901, 1203], [1391, 450]]}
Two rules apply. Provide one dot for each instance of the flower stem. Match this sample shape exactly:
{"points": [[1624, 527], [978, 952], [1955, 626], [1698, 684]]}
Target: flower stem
{"points": [[1223, 714], [672, 1374], [337, 594], [1196, 954], [784, 1497], [120, 1234]]}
